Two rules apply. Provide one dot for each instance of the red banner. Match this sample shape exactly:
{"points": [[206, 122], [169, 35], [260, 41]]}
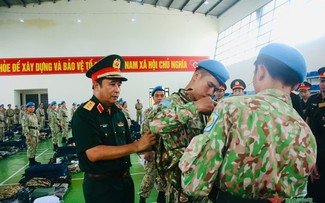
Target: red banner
{"points": [[71, 65]]}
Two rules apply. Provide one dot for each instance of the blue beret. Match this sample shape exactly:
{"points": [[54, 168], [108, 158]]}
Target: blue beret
{"points": [[120, 99], [62, 102], [2, 105], [53, 103], [216, 69], [9, 105], [22, 106], [123, 103], [157, 88], [30, 104], [287, 55], [74, 103], [40, 104]]}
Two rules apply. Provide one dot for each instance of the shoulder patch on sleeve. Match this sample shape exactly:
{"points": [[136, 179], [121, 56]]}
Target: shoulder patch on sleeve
{"points": [[89, 105], [212, 120], [165, 103]]}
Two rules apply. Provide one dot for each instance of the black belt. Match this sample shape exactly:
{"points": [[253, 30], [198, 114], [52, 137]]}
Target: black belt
{"points": [[108, 175], [229, 198], [65, 116], [42, 116], [34, 128]]}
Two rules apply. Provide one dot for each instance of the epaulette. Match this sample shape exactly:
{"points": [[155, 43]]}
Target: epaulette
{"points": [[89, 105]]}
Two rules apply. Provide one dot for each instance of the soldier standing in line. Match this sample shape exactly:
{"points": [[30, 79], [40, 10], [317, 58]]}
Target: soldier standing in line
{"points": [[31, 132], [258, 147], [22, 113], [126, 112], [10, 117], [238, 86], [64, 119], [16, 115], [139, 107], [40, 113], [54, 124], [73, 109], [315, 117], [2, 124], [179, 118], [151, 176]]}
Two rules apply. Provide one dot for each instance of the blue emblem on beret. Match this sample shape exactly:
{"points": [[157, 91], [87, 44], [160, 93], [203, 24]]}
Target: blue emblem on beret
{"points": [[53, 103], [216, 69], [287, 55], [30, 104], [157, 88]]}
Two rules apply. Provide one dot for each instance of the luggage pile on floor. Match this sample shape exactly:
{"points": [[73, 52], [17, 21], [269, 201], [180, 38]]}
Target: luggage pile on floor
{"points": [[11, 147], [67, 155]]}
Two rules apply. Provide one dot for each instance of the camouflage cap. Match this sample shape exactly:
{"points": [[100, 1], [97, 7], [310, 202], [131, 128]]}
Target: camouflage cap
{"points": [[216, 69], [108, 67], [287, 55], [238, 84]]}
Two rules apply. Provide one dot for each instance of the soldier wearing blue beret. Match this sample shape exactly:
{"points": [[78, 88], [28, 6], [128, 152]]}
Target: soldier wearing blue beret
{"points": [[54, 123], [102, 137], [9, 114], [73, 109], [315, 114], [31, 132], [255, 148], [64, 121], [179, 118], [40, 113]]}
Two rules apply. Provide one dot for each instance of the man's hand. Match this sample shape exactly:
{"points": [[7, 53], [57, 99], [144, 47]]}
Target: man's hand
{"points": [[205, 105], [314, 175], [146, 141]]}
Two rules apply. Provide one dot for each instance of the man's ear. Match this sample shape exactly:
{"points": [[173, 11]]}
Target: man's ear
{"points": [[260, 72], [196, 75]]}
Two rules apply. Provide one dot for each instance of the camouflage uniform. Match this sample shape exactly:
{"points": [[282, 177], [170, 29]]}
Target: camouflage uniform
{"points": [[54, 125], [175, 122], [30, 129], [2, 126], [151, 176], [138, 107], [16, 115], [10, 118], [254, 147], [40, 113], [64, 119]]}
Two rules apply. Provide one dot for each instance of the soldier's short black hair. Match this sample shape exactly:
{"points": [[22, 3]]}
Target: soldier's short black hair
{"points": [[278, 70]]}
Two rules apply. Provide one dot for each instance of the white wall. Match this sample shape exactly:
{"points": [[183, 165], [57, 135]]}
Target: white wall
{"points": [[52, 30]]}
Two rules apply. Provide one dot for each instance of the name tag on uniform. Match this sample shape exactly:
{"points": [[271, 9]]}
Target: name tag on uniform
{"points": [[104, 125], [120, 124], [321, 105]]}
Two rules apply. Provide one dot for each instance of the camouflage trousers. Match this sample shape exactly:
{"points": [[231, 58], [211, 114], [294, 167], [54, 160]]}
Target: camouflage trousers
{"points": [[42, 122], [55, 131], [65, 128], [32, 146], [16, 118], [175, 196], [2, 133], [150, 179], [10, 122]]}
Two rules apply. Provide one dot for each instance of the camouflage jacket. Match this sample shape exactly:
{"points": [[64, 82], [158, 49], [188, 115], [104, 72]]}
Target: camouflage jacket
{"points": [[53, 118], [2, 119], [63, 115], [30, 125], [145, 124], [175, 122], [253, 147], [40, 113]]}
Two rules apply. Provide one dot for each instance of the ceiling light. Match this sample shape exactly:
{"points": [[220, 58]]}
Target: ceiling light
{"points": [[21, 20], [79, 21], [133, 19]]}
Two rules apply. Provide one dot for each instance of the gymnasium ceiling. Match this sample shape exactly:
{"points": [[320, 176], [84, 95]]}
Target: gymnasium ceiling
{"points": [[206, 7]]}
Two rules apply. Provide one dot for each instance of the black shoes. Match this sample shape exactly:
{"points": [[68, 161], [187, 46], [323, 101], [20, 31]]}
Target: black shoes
{"points": [[33, 162]]}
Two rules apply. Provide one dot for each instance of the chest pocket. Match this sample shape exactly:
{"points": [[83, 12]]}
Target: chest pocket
{"points": [[113, 132]]}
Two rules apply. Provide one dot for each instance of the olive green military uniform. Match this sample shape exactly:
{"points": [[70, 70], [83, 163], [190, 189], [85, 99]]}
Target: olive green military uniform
{"points": [[175, 122], [151, 174], [253, 148], [40, 113], [2, 126], [16, 115], [107, 180], [10, 118], [30, 130], [64, 118], [138, 107], [54, 125]]}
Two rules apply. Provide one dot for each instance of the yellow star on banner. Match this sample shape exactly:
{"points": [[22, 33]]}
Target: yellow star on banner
{"points": [[276, 199]]}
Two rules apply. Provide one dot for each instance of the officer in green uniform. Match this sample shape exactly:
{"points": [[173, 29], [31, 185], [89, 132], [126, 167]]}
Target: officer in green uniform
{"points": [[238, 86], [315, 117], [179, 118], [151, 176], [2, 124], [31, 132], [102, 137], [256, 147]]}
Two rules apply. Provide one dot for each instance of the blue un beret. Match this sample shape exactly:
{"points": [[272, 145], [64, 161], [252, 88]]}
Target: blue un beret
{"points": [[216, 69], [62, 102], [287, 55], [30, 104], [157, 88], [120, 99], [53, 103]]}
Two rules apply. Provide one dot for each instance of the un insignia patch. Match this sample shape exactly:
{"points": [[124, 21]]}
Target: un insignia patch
{"points": [[212, 120], [165, 103]]}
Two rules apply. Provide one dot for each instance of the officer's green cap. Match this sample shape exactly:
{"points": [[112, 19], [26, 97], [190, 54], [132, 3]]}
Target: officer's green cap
{"points": [[108, 67], [287, 55], [238, 84], [216, 69]]}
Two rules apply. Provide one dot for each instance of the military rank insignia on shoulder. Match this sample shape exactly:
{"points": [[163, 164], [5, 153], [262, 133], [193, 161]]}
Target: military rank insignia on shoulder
{"points": [[120, 124], [89, 105], [211, 122]]}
